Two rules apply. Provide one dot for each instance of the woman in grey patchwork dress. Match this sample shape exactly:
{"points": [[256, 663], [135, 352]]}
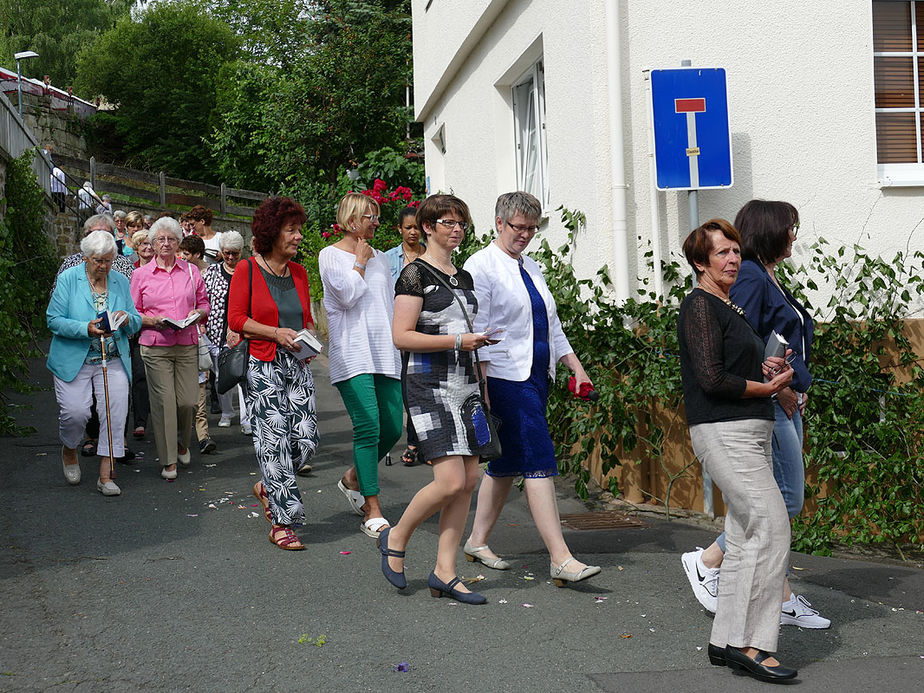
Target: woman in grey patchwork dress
{"points": [[441, 393]]}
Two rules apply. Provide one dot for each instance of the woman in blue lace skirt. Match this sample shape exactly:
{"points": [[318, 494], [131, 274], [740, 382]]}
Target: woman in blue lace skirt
{"points": [[513, 296]]}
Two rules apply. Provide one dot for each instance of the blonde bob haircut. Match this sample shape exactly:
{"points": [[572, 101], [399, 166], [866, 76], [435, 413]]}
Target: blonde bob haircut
{"points": [[352, 207], [134, 218]]}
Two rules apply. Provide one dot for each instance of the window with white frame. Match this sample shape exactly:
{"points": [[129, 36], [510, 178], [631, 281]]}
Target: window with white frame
{"points": [[898, 67], [529, 127]]}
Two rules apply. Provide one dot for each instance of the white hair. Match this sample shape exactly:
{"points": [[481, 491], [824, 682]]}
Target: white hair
{"points": [[167, 224], [98, 243], [232, 240]]}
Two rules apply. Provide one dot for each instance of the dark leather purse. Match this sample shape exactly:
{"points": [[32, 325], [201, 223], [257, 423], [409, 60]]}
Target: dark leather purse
{"points": [[483, 421], [232, 363]]}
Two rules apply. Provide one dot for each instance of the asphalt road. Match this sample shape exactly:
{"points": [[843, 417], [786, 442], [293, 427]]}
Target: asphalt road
{"points": [[175, 586]]}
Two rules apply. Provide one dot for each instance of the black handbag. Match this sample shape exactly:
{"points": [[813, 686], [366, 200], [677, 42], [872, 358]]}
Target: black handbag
{"points": [[483, 421], [232, 363]]}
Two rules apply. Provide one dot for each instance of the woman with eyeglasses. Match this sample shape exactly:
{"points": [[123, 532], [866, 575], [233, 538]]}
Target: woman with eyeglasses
{"points": [[768, 230], [434, 305], [514, 296], [217, 280], [76, 354], [364, 365], [168, 287]]}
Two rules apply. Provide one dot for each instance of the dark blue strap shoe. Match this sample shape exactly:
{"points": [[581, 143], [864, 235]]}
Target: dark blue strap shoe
{"points": [[393, 576], [438, 588]]}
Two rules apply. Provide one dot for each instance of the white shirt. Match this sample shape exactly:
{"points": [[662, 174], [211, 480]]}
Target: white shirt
{"points": [[58, 184], [359, 315], [503, 301], [212, 244]]}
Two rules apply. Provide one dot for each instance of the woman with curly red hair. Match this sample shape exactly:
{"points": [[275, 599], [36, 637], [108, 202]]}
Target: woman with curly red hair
{"points": [[268, 304]]}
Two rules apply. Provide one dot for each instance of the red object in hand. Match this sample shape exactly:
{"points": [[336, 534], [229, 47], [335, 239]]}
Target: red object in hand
{"points": [[586, 389]]}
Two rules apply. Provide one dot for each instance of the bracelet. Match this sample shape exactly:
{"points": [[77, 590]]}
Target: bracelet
{"points": [[356, 264], [459, 342], [275, 338]]}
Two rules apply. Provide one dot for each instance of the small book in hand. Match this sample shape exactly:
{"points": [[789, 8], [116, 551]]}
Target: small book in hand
{"points": [[776, 346], [178, 324], [308, 345], [110, 321]]}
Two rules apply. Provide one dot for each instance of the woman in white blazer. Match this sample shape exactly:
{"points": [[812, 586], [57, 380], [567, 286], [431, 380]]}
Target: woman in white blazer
{"points": [[513, 296]]}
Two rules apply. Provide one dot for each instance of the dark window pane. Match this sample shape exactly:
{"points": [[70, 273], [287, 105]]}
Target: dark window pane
{"points": [[892, 26], [895, 138], [894, 82]]}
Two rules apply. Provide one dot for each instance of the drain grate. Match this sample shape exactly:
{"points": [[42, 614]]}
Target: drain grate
{"points": [[605, 519]]}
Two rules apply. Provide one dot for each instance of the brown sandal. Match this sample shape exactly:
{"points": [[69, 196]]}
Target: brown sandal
{"points": [[259, 490], [288, 540]]}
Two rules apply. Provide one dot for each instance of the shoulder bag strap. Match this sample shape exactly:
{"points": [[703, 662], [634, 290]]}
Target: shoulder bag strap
{"points": [[468, 320]]}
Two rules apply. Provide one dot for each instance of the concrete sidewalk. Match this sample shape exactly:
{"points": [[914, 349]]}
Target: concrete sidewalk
{"points": [[175, 586]]}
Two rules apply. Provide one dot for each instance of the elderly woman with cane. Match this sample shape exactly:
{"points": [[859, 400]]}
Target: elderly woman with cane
{"points": [[88, 353]]}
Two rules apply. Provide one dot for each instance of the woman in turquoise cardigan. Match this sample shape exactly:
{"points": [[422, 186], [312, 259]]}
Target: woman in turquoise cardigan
{"points": [[75, 356]]}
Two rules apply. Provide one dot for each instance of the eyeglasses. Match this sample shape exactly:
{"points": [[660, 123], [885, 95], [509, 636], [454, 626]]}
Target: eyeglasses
{"points": [[794, 230], [451, 223], [101, 260], [231, 253], [523, 229], [371, 217], [165, 240]]}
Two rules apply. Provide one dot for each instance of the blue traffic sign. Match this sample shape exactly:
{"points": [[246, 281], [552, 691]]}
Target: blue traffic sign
{"points": [[692, 139]]}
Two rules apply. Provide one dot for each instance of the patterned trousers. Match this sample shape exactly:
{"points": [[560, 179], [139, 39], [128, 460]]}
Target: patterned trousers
{"points": [[280, 397]]}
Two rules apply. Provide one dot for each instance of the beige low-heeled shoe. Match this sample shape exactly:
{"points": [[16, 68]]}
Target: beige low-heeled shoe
{"points": [[560, 576], [477, 553]]}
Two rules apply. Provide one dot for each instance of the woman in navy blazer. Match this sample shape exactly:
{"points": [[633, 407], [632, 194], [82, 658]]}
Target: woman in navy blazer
{"points": [[75, 356], [768, 230]]}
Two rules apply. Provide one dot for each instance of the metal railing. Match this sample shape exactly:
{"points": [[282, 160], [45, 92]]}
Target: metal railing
{"points": [[16, 138]]}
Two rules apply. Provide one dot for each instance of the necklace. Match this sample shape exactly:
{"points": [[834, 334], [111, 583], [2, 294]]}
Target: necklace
{"points": [[270, 268], [93, 284], [727, 301], [441, 268]]}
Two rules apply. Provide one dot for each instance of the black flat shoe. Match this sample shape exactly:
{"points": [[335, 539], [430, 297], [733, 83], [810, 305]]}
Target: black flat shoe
{"points": [[740, 663], [716, 655]]}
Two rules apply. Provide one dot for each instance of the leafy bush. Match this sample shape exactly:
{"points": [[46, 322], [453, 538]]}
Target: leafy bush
{"points": [[27, 265]]}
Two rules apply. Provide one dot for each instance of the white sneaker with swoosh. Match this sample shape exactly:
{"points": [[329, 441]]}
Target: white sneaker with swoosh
{"points": [[798, 611], [703, 580]]}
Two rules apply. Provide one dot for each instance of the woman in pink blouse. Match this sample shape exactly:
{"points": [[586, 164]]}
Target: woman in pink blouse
{"points": [[170, 288]]}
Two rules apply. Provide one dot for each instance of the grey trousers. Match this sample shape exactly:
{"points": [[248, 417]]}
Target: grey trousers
{"points": [[737, 455]]}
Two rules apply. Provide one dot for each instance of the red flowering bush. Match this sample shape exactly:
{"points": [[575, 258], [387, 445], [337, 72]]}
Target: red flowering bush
{"points": [[390, 205]]}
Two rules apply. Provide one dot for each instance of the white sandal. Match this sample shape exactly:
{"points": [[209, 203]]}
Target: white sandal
{"points": [[368, 527], [560, 576], [355, 498]]}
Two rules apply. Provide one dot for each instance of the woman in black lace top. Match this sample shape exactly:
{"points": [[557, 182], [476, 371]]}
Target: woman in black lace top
{"points": [[730, 415]]}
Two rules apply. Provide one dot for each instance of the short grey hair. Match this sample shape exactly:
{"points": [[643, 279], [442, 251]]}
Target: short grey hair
{"points": [[231, 240], [519, 202], [119, 214], [96, 220], [166, 224], [98, 243]]}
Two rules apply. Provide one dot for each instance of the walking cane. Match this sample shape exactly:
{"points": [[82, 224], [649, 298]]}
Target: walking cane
{"points": [[102, 344]]}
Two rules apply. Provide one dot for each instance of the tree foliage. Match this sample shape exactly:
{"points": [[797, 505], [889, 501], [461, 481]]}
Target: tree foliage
{"points": [[162, 72], [56, 30], [342, 96]]}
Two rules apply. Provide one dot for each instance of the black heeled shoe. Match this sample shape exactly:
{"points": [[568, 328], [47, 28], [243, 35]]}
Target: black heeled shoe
{"points": [[716, 655], [438, 588], [742, 664], [393, 576]]}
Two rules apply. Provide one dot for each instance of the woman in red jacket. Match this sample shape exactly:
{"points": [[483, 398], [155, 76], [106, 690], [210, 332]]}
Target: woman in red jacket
{"points": [[280, 388]]}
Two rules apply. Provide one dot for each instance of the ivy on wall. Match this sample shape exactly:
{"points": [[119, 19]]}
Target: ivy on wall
{"points": [[27, 266]]}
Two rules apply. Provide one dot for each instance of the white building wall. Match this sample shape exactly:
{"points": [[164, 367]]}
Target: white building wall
{"points": [[800, 83]]}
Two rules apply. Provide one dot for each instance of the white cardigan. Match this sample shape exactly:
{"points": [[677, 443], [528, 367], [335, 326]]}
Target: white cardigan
{"points": [[503, 301], [359, 314]]}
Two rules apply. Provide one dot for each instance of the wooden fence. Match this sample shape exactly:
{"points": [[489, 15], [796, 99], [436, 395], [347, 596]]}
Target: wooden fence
{"points": [[161, 190]]}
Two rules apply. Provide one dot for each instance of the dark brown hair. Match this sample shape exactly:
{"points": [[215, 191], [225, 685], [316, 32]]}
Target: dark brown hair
{"points": [[435, 206], [200, 213], [269, 218], [764, 226], [698, 244], [194, 245]]}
